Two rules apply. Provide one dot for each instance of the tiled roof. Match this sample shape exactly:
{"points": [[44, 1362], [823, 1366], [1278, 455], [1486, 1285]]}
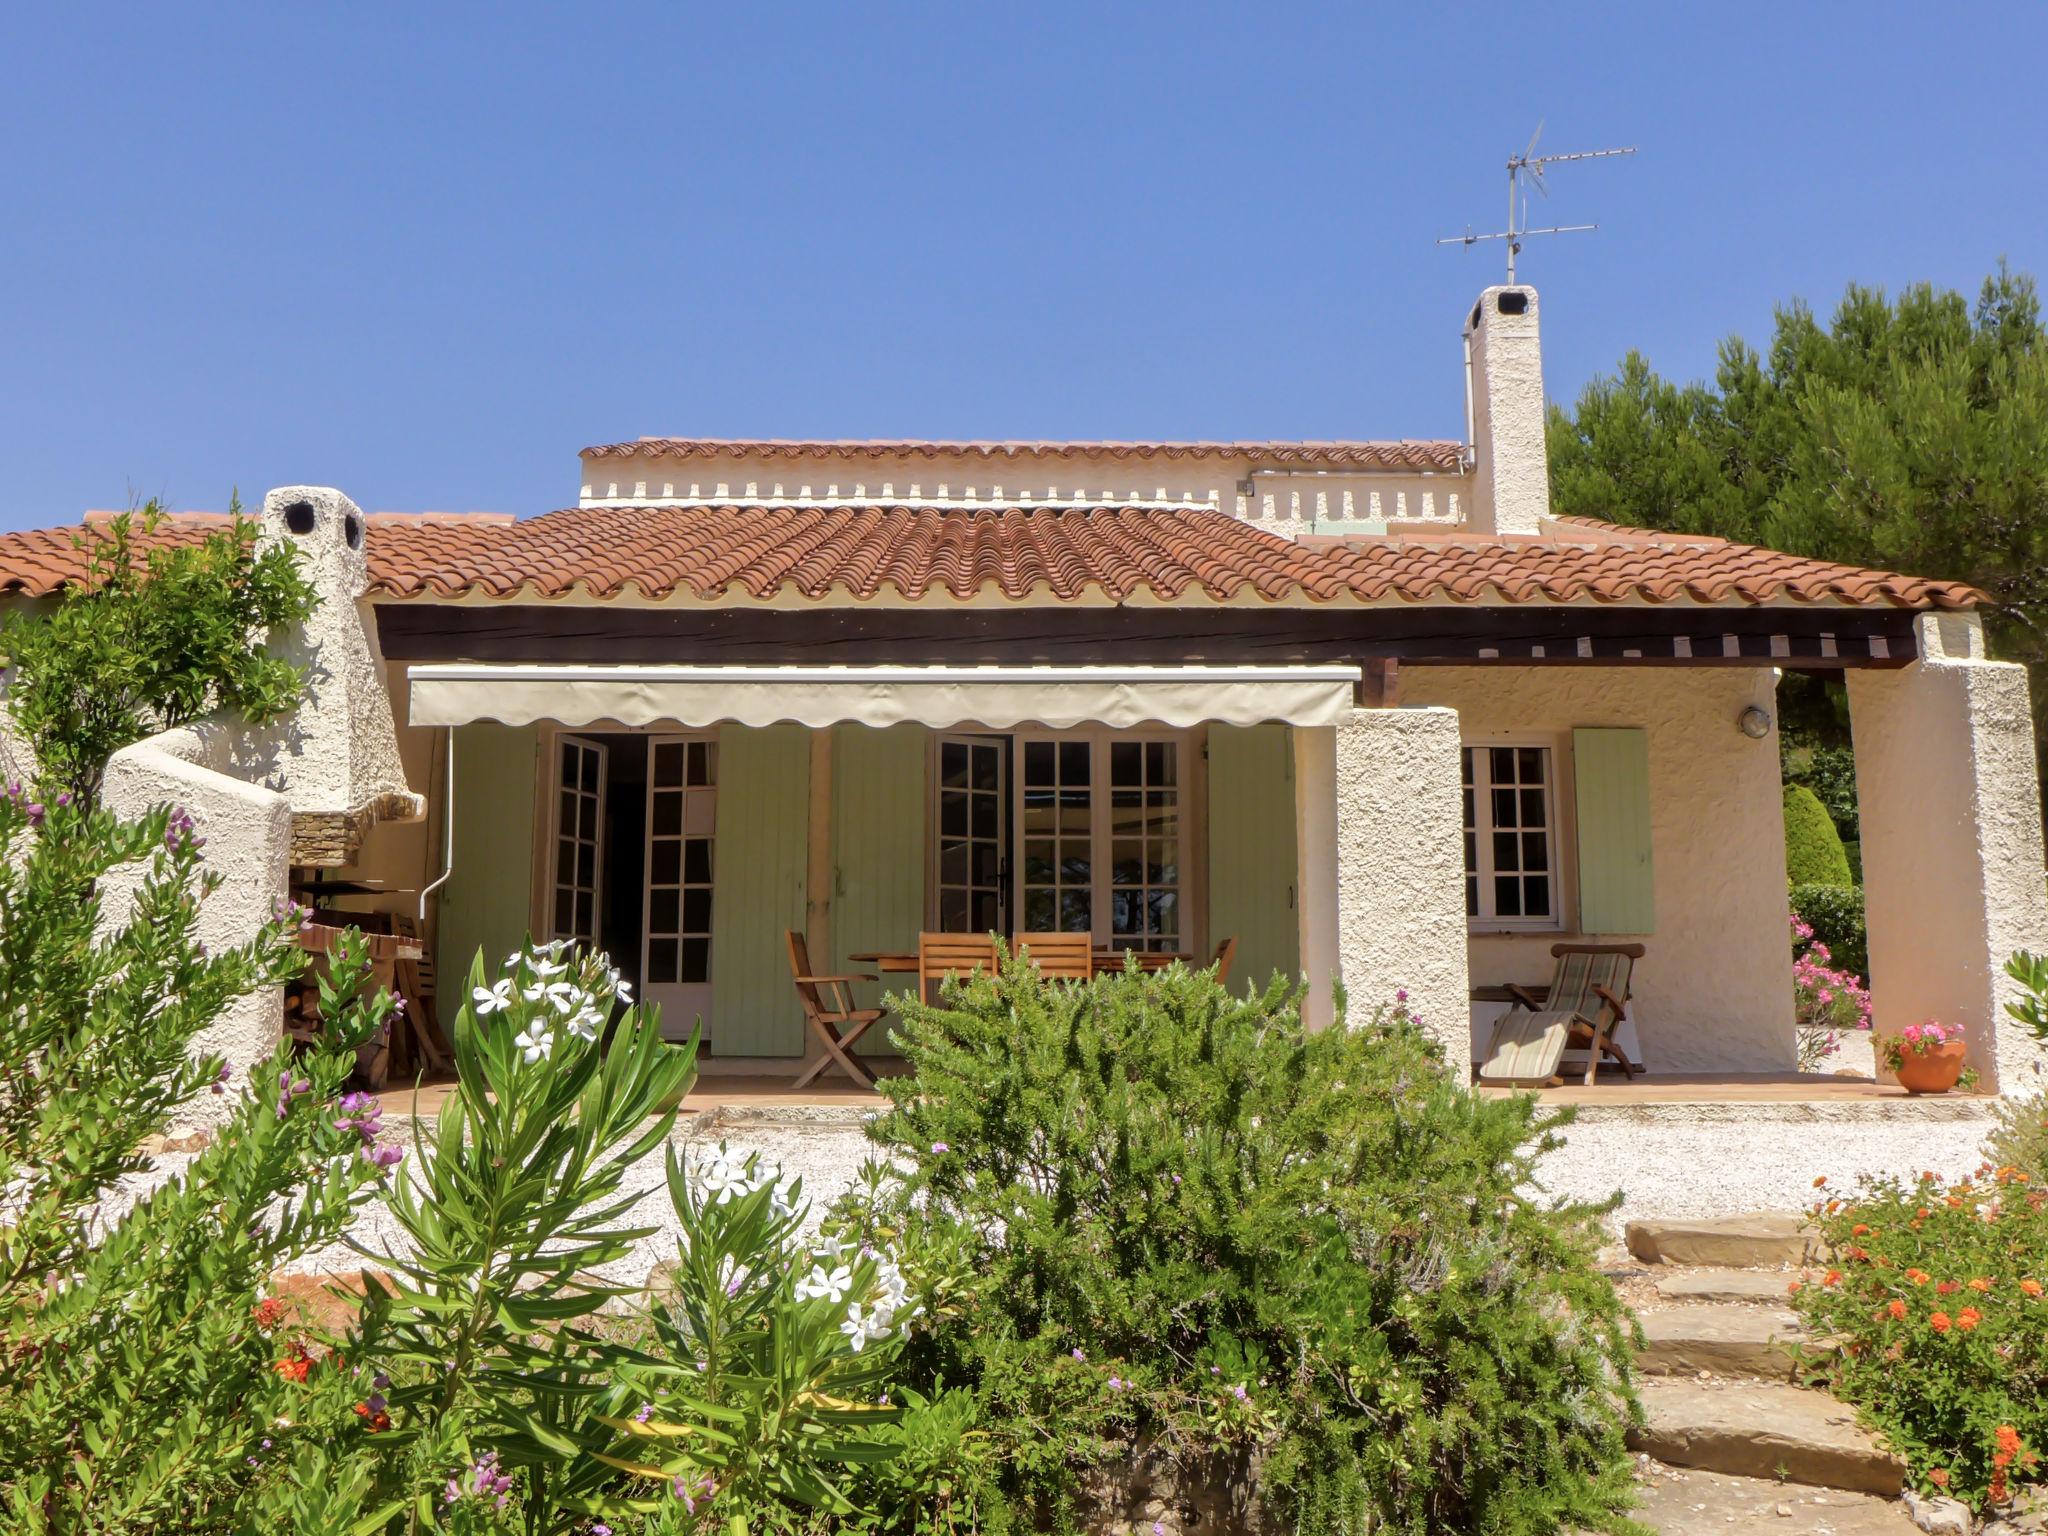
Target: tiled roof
{"points": [[710, 552], [1411, 455]]}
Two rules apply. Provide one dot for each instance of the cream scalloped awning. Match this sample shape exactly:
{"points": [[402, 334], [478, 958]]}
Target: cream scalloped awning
{"points": [[459, 693]]}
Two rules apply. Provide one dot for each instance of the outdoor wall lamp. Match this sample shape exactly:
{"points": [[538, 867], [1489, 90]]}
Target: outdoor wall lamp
{"points": [[1755, 723]]}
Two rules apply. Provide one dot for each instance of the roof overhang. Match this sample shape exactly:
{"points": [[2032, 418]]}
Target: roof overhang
{"points": [[999, 697]]}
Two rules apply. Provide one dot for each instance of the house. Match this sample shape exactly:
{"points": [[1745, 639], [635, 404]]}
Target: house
{"points": [[1367, 707]]}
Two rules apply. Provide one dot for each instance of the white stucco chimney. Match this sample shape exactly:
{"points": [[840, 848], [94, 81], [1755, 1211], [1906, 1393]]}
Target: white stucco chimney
{"points": [[1511, 476], [337, 758]]}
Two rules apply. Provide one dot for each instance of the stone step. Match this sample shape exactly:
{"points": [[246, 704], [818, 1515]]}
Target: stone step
{"points": [[1763, 1430], [1728, 1340], [1757, 1241], [1722, 1286]]}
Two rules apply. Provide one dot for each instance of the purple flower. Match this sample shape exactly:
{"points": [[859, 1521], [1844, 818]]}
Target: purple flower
{"points": [[35, 813], [481, 1480], [385, 1157], [1240, 1394], [1079, 1354], [1401, 995], [1116, 1383], [939, 1149], [64, 797], [645, 1413]]}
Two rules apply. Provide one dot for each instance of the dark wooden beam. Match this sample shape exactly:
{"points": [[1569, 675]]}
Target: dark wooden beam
{"points": [[1520, 635]]}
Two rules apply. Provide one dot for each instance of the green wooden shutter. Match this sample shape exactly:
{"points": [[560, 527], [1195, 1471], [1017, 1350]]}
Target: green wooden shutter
{"points": [[878, 848], [1612, 769], [487, 903], [1252, 867], [761, 857]]}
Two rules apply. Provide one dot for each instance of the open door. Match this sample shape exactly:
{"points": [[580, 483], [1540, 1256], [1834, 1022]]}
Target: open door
{"points": [[682, 818], [578, 879]]}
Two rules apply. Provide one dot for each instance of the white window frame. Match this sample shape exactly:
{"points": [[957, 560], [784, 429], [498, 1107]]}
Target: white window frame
{"points": [[1485, 920], [584, 747]]}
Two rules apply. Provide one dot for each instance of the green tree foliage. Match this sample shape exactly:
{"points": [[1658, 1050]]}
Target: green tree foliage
{"points": [[1813, 848], [1835, 913], [138, 1375], [156, 635], [1910, 434], [1189, 1223]]}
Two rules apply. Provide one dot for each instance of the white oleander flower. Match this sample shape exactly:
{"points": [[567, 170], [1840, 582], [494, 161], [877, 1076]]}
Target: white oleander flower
{"points": [[830, 1285], [493, 999], [861, 1326], [533, 1042], [586, 1023]]}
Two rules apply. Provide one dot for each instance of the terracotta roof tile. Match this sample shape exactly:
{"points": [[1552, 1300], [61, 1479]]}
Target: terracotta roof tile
{"points": [[1436, 456], [818, 552]]}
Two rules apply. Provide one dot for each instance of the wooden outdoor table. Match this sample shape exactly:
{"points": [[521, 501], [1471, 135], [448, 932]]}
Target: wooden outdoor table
{"points": [[385, 951], [1102, 959]]}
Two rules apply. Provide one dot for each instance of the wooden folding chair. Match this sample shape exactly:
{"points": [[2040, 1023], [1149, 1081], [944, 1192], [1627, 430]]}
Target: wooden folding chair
{"points": [[833, 1018], [1062, 956], [1585, 1001], [940, 955], [1226, 953]]}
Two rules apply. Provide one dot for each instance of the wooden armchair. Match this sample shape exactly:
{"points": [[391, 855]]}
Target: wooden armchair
{"points": [[828, 1009], [1226, 953], [1587, 998]]}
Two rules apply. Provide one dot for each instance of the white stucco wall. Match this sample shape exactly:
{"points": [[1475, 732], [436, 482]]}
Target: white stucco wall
{"points": [[1952, 856], [1382, 881], [248, 836], [1714, 993]]}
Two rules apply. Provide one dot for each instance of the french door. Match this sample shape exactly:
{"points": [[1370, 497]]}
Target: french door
{"points": [[682, 817], [971, 834], [1102, 832], [578, 877]]}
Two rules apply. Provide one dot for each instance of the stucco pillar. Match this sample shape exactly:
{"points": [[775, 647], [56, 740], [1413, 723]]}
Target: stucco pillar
{"points": [[248, 836], [1952, 856], [1381, 835]]}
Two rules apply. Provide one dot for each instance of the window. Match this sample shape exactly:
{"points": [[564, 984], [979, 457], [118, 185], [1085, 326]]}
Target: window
{"points": [[970, 833], [1510, 837], [579, 839]]}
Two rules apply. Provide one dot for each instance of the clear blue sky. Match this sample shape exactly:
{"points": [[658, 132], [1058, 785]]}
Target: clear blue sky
{"points": [[426, 252]]}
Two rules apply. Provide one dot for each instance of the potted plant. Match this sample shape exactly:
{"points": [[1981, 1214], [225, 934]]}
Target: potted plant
{"points": [[1926, 1058]]}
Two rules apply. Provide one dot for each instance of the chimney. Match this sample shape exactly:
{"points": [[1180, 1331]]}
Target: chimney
{"points": [[1504, 374]]}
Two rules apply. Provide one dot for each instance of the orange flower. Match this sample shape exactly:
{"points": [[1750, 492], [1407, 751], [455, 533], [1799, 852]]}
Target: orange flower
{"points": [[1947, 1288], [1968, 1318], [1897, 1310], [1922, 1213], [1918, 1276], [2031, 1287], [1821, 1182], [295, 1365], [1939, 1322], [1938, 1477], [1980, 1285], [1954, 1204], [1832, 1277], [1794, 1288], [2008, 1441], [1861, 1229], [268, 1313]]}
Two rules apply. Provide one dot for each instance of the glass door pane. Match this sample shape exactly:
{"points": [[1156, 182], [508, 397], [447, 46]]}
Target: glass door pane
{"points": [[579, 840], [1144, 845], [1055, 815], [973, 850], [682, 817]]}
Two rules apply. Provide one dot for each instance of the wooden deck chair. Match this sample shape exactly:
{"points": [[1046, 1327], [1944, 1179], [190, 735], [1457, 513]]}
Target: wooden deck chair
{"points": [[940, 955], [828, 1008], [1062, 956], [1226, 953], [1586, 999]]}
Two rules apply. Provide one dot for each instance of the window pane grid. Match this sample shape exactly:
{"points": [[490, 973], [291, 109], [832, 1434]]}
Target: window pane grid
{"points": [[578, 817], [970, 836], [1510, 874], [1144, 831], [1057, 792], [681, 815]]}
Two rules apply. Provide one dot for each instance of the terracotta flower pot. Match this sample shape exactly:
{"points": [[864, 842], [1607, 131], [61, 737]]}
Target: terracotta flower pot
{"points": [[1933, 1069]]}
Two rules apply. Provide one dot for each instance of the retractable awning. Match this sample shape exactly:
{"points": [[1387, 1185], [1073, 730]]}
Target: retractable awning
{"points": [[460, 693]]}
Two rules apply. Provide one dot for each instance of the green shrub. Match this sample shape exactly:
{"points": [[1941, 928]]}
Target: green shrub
{"points": [[1813, 848], [140, 1370], [1835, 914], [2021, 1140], [1830, 772], [1177, 1218], [1937, 1325]]}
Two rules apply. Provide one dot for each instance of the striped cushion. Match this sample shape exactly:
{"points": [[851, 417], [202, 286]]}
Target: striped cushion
{"points": [[1527, 1046]]}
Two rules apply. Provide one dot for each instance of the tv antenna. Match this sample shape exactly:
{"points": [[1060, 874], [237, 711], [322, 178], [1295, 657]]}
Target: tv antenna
{"points": [[1526, 170]]}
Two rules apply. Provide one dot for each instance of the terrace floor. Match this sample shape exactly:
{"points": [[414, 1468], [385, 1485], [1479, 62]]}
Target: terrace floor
{"points": [[740, 1093]]}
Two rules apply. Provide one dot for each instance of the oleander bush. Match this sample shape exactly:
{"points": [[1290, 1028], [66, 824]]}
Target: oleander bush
{"points": [[1934, 1308], [1835, 914], [1174, 1219], [142, 1373]]}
